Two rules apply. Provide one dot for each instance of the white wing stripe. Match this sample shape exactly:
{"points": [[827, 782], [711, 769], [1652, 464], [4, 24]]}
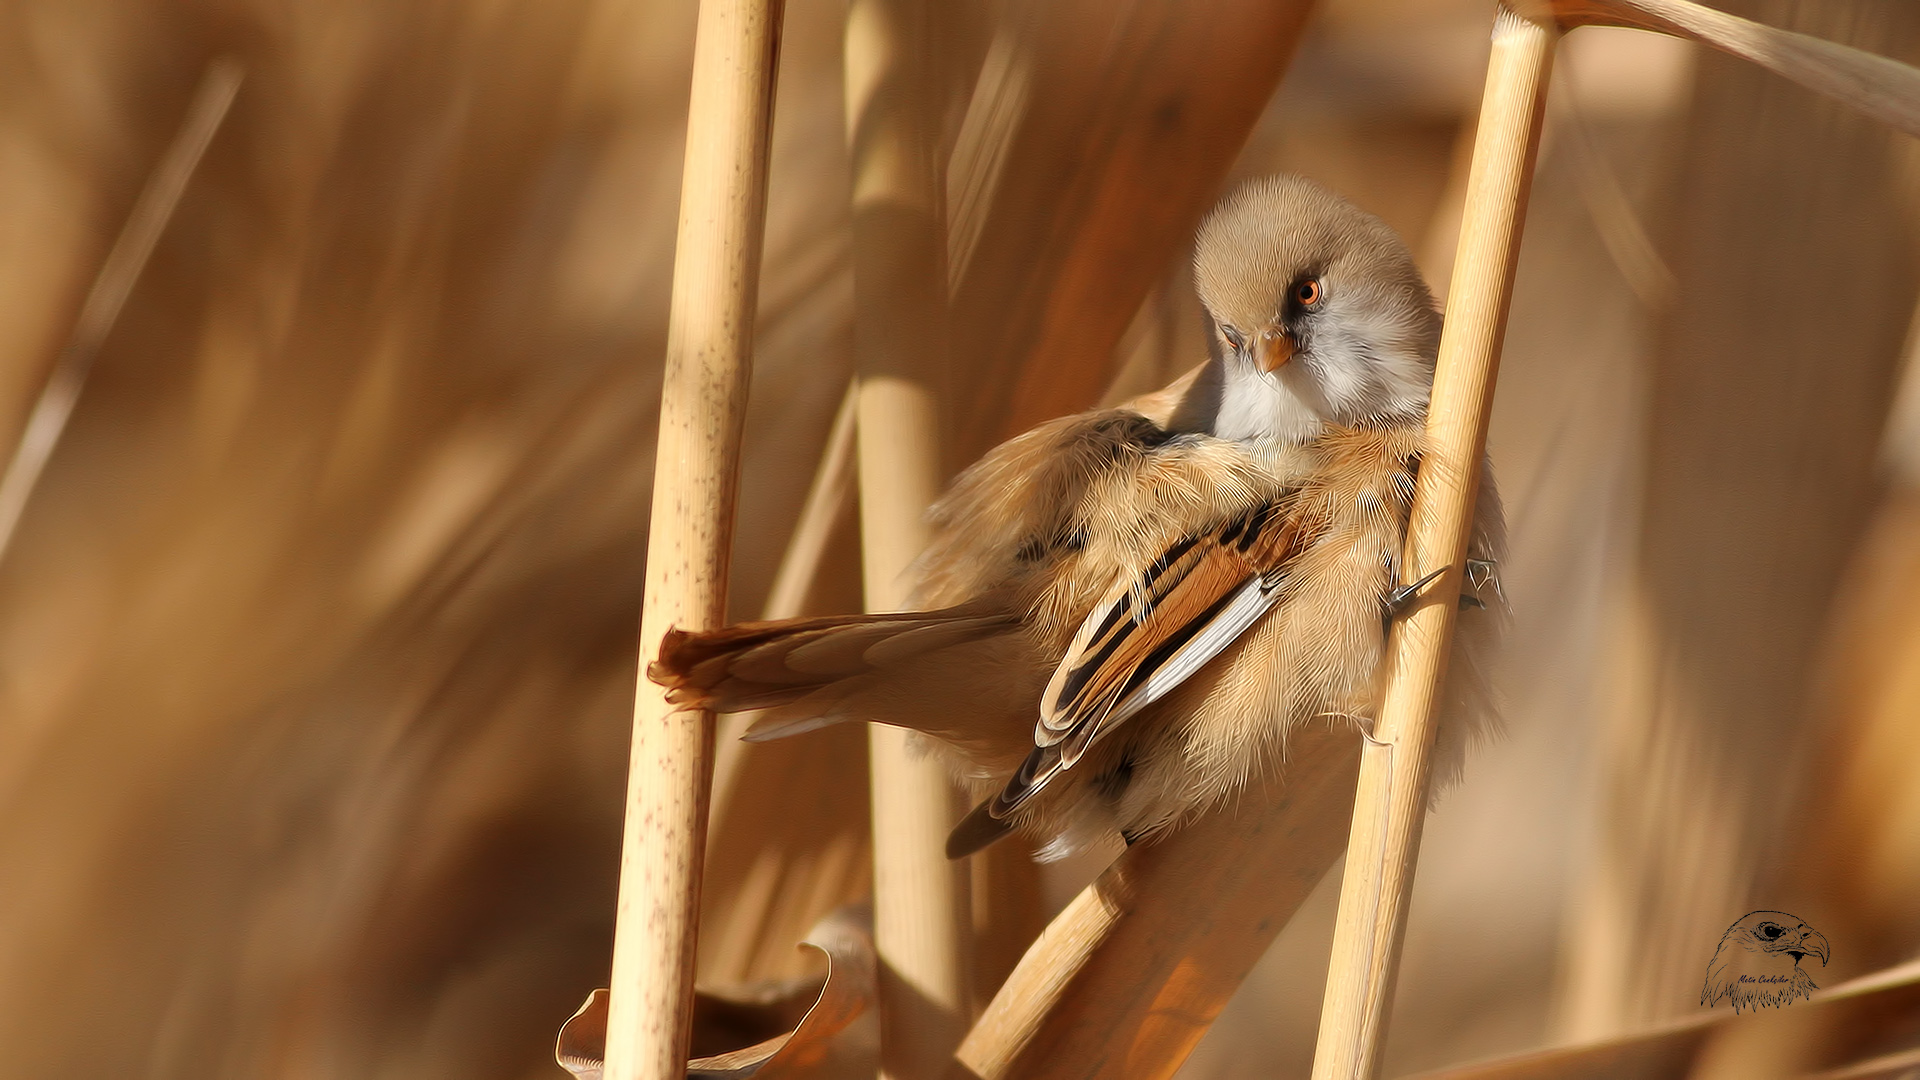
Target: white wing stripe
{"points": [[1251, 601]]}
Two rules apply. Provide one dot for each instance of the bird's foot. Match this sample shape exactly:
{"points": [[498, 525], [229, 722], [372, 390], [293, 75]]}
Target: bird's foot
{"points": [[1482, 573], [1399, 599], [1479, 574]]}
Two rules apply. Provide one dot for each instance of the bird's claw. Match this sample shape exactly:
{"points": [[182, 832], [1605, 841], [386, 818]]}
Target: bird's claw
{"points": [[1398, 599], [1478, 572]]}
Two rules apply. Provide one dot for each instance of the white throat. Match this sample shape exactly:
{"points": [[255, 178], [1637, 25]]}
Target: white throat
{"points": [[1339, 382], [1254, 406]]}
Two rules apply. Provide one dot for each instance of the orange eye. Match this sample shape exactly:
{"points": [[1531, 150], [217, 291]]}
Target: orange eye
{"points": [[1307, 292]]}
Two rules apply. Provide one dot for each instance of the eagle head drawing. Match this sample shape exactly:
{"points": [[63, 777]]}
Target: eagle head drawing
{"points": [[1758, 962]]}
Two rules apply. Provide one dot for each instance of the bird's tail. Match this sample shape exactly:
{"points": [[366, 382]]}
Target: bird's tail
{"points": [[976, 831], [910, 669]]}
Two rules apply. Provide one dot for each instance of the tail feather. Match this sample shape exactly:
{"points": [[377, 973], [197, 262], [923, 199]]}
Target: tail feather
{"points": [[966, 676], [844, 650], [805, 656], [936, 635], [767, 664], [684, 651]]}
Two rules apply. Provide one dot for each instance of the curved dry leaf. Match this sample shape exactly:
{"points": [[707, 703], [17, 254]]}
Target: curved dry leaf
{"points": [[582, 1046], [803, 1014], [1847, 1026], [1883, 88]]}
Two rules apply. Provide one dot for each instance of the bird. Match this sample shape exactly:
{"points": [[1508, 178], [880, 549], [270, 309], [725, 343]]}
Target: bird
{"points": [[1123, 613], [1757, 963]]}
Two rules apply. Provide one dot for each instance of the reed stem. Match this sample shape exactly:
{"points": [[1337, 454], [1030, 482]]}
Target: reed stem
{"points": [[1390, 804], [921, 924], [696, 472]]}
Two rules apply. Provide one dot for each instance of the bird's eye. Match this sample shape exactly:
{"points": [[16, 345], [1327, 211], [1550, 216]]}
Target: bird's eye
{"points": [[1308, 292], [1233, 338], [1770, 931]]}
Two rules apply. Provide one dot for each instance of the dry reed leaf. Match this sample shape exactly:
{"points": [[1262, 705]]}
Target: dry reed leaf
{"points": [[790, 1022], [118, 273], [1867, 1019], [1126, 980], [1882, 88]]}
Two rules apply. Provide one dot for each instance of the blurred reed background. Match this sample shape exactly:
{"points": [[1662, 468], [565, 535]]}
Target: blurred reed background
{"points": [[316, 640]]}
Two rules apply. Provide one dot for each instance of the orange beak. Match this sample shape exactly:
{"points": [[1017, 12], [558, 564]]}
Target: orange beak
{"points": [[1273, 350]]}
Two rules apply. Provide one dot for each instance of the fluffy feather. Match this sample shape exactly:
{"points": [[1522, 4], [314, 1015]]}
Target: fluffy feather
{"points": [[1127, 613]]}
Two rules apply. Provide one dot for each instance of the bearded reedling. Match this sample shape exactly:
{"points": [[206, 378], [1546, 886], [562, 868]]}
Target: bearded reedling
{"points": [[1128, 609]]}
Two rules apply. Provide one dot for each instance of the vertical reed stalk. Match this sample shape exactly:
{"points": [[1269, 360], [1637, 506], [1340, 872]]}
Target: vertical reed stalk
{"points": [[702, 409], [1390, 803], [921, 928]]}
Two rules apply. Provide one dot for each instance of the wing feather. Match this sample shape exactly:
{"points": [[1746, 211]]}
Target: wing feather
{"points": [[1153, 632]]}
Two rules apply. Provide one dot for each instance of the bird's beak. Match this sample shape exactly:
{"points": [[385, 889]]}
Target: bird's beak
{"points": [[1272, 351], [1815, 944]]}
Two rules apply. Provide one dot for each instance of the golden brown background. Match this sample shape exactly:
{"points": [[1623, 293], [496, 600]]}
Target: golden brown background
{"points": [[317, 638]]}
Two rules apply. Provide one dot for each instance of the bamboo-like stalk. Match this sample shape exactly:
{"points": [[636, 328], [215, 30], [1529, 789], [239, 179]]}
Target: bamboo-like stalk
{"points": [[1390, 804], [696, 473], [921, 927], [151, 212]]}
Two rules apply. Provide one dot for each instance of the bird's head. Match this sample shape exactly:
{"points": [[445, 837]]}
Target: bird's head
{"points": [[1321, 316], [1776, 933]]}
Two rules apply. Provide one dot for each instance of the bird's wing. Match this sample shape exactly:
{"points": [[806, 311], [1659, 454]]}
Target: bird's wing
{"points": [[1152, 632]]}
